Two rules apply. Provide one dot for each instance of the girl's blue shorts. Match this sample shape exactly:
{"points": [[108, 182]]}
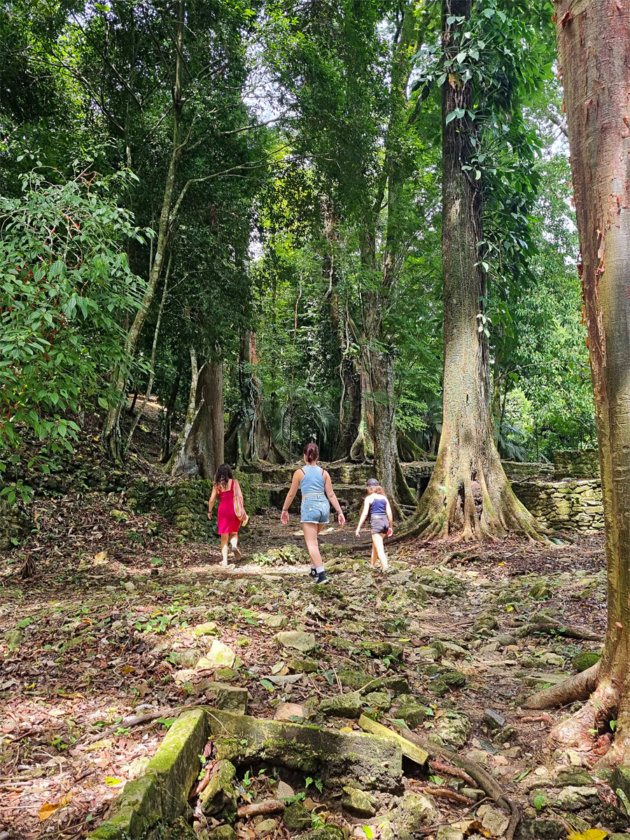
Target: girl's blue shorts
{"points": [[315, 508]]}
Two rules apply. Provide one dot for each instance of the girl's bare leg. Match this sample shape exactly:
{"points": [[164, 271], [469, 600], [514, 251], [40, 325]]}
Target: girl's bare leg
{"points": [[377, 541], [224, 549], [310, 531], [373, 556], [234, 543]]}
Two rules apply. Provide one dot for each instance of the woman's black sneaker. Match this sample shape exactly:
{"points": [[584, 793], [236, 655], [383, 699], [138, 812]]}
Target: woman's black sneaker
{"points": [[313, 573], [321, 578]]}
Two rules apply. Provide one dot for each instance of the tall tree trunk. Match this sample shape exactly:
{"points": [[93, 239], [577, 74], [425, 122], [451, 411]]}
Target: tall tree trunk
{"points": [[248, 437], [468, 493], [156, 334], [167, 419], [349, 415], [111, 437], [378, 352], [594, 51], [202, 447], [191, 414]]}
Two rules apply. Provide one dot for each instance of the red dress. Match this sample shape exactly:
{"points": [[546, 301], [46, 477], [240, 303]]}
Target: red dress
{"points": [[227, 520]]}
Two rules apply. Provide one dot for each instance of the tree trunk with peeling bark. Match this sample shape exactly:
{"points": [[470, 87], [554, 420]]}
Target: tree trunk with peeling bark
{"points": [[594, 51], [202, 446], [468, 494]]}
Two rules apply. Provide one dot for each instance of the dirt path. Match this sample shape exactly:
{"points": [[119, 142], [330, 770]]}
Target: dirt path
{"points": [[107, 629]]}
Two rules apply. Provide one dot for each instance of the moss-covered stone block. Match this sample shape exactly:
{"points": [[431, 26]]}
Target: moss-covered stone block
{"points": [[621, 779], [220, 793], [586, 659], [338, 758]]}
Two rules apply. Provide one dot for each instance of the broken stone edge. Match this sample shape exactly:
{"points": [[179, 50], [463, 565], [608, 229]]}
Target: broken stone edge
{"points": [[161, 794]]}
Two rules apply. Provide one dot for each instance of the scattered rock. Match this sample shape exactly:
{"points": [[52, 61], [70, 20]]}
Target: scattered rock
{"points": [[572, 777], [304, 642], [129, 586], [505, 640], [378, 700], [493, 720], [284, 791], [205, 629], [227, 675], [223, 832], [276, 622], [292, 712], [538, 829], [119, 515], [220, 654], [494, 821], [485, 622], [453, 728], [575, 798], [231, 698], [344, 705], [358, 802], [220, 793], [447, 832], [444, 680], [552, 659], [540, 590], [414, 812], [265, 827], [306, 665], [585, 659], [296, 817]]}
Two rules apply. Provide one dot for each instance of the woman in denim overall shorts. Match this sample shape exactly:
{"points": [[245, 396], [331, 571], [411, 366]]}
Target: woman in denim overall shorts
{"points": [[317, 496]]}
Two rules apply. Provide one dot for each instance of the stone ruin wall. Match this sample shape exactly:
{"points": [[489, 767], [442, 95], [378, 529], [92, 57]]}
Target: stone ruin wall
{"points": [[569, 496]]}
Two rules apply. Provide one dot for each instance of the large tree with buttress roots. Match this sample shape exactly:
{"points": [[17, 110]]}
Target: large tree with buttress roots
{"points": [[469, 494], [593, 39]]}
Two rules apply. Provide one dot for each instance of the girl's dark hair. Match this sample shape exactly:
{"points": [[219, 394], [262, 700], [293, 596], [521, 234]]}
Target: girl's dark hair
{"points": [[223, 475], [311, 452]]}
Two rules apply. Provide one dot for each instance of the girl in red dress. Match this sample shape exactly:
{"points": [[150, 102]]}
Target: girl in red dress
{"points": [[225, 486]]}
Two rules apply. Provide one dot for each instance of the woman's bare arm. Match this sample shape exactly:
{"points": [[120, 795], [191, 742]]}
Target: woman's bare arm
{"points": [[332, 498], [295, 485], [212, 500]]}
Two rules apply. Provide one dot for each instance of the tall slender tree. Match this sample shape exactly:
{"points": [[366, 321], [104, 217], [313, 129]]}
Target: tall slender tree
{"points": [[594, 51]]}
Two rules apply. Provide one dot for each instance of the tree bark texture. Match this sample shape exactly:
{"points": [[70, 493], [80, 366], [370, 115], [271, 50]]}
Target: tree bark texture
{"points": [[202, 449], [594, 52], [468, 494]]}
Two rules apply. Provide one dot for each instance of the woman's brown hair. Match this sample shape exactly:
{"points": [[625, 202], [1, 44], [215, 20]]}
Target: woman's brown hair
{"points": [[223, 475], [311, 452]]}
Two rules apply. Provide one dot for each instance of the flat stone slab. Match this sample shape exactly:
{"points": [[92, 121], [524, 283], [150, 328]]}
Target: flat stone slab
{"points": [[338, 758], [409, 750], [304, 642]]}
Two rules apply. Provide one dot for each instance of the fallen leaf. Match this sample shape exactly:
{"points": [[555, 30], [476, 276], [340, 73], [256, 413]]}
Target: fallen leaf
{"points": [[49, 808], [112, 781], [591, 834]]}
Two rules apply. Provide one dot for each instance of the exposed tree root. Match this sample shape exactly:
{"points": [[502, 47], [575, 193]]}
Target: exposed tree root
{"points": [[544, 624], [578, 687], [481, 777]]}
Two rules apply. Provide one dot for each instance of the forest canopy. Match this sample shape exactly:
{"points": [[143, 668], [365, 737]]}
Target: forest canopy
{"points": [[251, 193]]}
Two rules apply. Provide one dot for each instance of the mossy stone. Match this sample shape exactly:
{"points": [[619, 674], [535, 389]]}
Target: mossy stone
{"points": [[306, 665], [222, 832], [358, 802], [586, 659], [326, 832], [220, 793], [378, 700], [296, 817], [344, 705]]}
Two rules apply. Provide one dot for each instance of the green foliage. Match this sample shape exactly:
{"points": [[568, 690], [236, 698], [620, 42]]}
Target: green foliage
{"points": [[64, 284]]}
